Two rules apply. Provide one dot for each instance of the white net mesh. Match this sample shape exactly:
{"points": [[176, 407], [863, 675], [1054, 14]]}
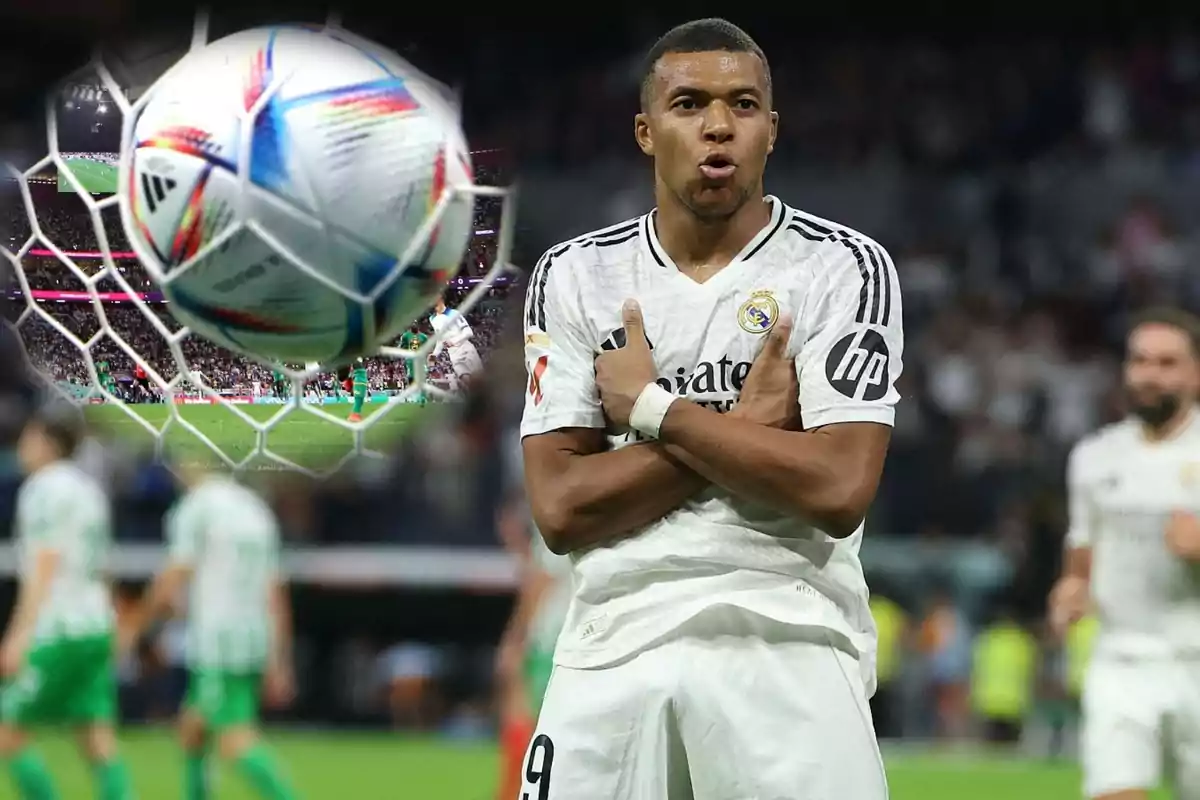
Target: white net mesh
{"points": [[93, 325]]}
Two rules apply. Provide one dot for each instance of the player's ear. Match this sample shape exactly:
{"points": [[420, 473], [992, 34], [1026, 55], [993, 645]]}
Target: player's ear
{"points": [[774, 131], [641, 133]]}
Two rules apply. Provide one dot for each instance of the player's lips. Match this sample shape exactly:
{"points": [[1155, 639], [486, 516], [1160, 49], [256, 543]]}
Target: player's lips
{"points": [[717, 167], [717, 173]]}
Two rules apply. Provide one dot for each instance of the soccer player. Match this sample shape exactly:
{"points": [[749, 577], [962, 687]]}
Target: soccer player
{"points": [[358, 387], [57, 652], [413, 340], [279, 384], [456, 339], [141, 380], [107, 381], [719, 643], [1133, 550], [223, 543]]}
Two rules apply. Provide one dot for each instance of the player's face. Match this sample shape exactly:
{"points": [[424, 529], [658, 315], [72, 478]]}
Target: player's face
{"points": [[1162, 373], [710, 128], [439, 306], [34, 449]]}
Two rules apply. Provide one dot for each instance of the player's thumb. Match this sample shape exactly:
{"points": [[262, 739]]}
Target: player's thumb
{"points": [[631, 319], [778, 338]]}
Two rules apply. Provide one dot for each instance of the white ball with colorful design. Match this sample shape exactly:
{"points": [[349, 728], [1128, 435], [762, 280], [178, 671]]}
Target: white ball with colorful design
{"points": [[299, 193]]}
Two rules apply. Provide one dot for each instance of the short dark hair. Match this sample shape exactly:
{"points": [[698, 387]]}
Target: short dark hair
{"points": [[62, 422], [1183, 321], [700, 36]]}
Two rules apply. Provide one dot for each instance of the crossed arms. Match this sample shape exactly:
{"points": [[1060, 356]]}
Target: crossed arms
{"points": [[582, 493]]}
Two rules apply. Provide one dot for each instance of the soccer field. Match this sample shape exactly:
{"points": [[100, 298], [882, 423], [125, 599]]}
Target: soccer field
{"points": [[306, 435], [383, 767], [95, 176]]}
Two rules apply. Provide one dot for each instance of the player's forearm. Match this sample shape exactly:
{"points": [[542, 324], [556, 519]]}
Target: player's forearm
{"points": [[807, 474], [588, 499], [281, 617], [1077, 563]]}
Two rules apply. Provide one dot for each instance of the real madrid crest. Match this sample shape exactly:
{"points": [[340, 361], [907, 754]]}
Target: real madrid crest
{"points": [[758, 314]]}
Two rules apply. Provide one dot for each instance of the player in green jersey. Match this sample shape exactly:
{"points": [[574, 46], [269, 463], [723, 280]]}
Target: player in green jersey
{"points": [[57, 653], [413, 340], [107, 382], [223, 543], [279, 384], [358, 386]]}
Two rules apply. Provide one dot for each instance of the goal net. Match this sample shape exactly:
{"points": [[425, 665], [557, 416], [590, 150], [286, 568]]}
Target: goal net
{"points": [[99, 331]]}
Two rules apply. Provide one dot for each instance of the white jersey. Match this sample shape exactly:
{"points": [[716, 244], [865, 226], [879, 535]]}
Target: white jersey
{"points": [[1122, 490], [229, 537], [60, 507], [457, 329], [717, 549]]}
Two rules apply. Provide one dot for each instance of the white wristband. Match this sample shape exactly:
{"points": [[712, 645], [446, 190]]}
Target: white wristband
{"points": [[650, 409]]}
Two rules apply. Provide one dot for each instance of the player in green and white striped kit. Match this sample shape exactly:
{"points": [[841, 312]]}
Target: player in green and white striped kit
{"points": [[224, 541], [57, 654]]}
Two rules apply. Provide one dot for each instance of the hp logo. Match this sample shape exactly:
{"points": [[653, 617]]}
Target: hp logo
{"points": [[857, 366]]}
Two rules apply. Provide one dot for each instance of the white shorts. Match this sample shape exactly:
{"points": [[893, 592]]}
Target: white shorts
{"points": [[1141, 725], [728, 718], [465, 360]]}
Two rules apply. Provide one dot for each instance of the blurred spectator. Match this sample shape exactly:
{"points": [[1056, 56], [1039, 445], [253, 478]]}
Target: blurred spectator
{"points": [[945, 642], [1002, 678], [410, 673], [891, 621]]}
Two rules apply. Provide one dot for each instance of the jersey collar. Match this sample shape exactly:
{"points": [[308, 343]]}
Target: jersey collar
{"points": [[654, 251]]}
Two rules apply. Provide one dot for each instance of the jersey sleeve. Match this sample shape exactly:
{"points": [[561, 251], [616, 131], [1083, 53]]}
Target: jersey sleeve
{"points": [[185, 528], [852, 354], [559, 356], [1080, 508]]}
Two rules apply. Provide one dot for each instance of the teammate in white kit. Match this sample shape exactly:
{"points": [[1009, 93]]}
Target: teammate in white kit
{"points": [[1132, 552], [456, 339], [223, 543], [719, 643]]}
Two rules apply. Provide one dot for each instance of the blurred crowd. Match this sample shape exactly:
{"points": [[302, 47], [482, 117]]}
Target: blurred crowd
{"points": [[57, 336]]}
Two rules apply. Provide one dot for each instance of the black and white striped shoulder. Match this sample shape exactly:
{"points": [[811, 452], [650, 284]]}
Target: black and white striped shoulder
{"points": [[612, 236], [879, 291]]}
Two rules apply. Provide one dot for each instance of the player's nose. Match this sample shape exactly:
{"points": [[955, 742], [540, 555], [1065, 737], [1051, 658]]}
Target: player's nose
{"points": [[718, 123]]}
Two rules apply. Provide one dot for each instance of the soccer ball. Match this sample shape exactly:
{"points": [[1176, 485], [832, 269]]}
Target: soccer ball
{"points": [[298, 193]]}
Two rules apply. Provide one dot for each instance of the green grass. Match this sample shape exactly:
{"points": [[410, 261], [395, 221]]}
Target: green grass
{"points": [[309, 436], [96, 177], [384, 767]]}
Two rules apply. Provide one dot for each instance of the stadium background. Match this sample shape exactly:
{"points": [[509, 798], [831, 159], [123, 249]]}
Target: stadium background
{"points": [[1032, 189]]}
